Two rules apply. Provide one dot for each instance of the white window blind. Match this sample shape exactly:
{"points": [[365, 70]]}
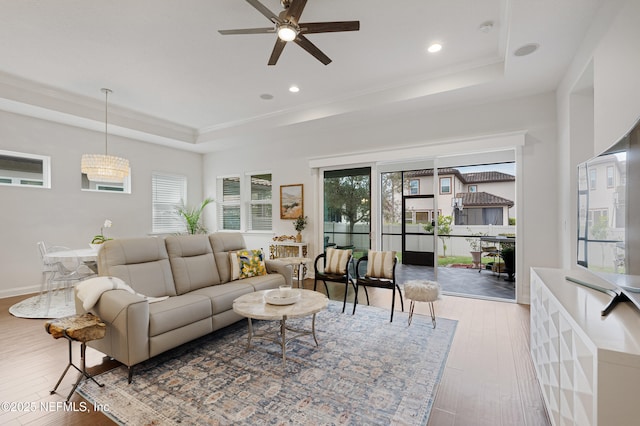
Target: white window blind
{"points": [[229, 205], [169, 192], [260, 204]]}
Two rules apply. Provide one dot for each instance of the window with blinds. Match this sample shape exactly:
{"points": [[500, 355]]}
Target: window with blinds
{"points": [[260, 205], [246, 202], [229, 205], [169, 192]]}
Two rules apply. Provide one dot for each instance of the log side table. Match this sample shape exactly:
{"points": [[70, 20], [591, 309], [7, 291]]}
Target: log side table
{"points": [[80, 328]]}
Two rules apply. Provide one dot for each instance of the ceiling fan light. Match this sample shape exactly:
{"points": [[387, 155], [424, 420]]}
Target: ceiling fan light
{"points": [[287, 32]]}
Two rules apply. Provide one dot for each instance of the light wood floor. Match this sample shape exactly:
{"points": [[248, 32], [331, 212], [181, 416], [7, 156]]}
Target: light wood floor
{"points": [[488, 379]]}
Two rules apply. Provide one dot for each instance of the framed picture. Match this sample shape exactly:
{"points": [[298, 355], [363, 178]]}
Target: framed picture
{"points": [[291, 201]]}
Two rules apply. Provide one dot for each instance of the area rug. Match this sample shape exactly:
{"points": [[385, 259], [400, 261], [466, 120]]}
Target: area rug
{"points": [[365, 370], [61, 305]]}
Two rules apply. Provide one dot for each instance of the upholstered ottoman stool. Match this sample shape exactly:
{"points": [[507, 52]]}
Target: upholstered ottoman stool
{"points": [[422, 291], [80, 328]]}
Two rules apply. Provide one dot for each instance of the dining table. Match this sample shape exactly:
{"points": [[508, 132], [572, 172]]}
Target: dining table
{"points": [[88, 256]]}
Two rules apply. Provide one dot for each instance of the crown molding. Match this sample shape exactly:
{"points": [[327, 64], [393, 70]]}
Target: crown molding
{"points": [[21, 96]]}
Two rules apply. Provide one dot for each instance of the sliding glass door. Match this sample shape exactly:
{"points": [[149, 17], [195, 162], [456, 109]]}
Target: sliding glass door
{"points": [[347, 209], [418, 246]]}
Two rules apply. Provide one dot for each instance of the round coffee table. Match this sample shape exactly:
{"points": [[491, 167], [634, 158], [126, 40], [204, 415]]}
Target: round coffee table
{"points": [[253, 306]]}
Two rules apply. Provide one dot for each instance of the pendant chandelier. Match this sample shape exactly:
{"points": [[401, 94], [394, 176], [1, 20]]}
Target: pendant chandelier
{"points": [[105, 168]]}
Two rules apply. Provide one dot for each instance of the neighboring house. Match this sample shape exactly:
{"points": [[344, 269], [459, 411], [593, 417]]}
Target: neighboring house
{"points": [[603, 180], [487, 197]]}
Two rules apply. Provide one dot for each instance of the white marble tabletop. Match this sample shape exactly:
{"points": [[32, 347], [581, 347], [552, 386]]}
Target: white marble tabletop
{"points": [[252, 305], [83, 253]]}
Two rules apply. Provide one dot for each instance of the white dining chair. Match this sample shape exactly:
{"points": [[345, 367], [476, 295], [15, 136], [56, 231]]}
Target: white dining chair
{"points": [[62, 272]]}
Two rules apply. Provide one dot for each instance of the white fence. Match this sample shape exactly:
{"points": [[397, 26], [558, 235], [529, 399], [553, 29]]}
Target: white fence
{"points": [[457, 244]]}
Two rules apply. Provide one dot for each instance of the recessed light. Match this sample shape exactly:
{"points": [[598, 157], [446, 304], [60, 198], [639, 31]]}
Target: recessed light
{"points": [[435, 47], [266, 96], [527, 49], [294, 89]]}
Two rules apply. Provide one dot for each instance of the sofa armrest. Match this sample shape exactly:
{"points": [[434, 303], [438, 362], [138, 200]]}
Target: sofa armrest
{"points": [[127, 319], [275, 267]]}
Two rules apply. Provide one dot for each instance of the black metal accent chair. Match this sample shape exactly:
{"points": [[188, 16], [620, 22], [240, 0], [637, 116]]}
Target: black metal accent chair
{"points": [[321, 273], [382, 281]]}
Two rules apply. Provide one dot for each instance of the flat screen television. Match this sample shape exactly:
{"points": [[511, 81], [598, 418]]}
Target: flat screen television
{"points": [[609, 213]]}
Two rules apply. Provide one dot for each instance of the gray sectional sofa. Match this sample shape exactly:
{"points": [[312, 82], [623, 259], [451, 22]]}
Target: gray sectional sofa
{"points": [[194, 271]]}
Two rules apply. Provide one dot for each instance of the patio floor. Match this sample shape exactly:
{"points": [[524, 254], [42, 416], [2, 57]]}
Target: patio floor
{"points": [[462, 281]]}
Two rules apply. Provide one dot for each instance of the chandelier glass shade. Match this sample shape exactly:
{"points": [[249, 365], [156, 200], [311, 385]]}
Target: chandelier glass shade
{"points": [[105, 167]]}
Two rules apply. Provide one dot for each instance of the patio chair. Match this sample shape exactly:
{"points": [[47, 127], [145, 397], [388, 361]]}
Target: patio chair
{"points": [[381, 273], [496, 262], [335, 268]]}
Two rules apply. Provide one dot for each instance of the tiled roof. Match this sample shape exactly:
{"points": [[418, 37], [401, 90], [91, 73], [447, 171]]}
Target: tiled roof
{"points": [[466, 178], [487, 177], [477, 199]]}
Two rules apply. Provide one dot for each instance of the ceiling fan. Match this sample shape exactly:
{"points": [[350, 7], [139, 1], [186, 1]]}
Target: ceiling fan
{"points": [[288, 28]]}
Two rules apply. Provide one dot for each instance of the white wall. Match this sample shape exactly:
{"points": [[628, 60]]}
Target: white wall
{"points": [[65, 215], [617, 77], [589, 122], [288, 161]]}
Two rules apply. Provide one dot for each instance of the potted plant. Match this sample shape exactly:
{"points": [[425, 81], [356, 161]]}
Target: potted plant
{"points": [[474, 245], [299, 224], [192, 217], [101, 238]]}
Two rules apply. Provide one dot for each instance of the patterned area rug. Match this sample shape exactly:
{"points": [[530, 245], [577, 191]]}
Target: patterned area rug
{"points": [[61, 305], [366, 370]]}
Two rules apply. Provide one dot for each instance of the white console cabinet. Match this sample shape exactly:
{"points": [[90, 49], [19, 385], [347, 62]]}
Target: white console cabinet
{"points": [[588, 365]]}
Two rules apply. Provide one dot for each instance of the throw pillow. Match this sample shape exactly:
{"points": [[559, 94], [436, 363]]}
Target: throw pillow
{"points": [[380, 264], [336, 261], [251, 263]]}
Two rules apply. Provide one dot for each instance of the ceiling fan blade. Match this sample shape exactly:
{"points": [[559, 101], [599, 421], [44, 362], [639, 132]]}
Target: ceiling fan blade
{"points": [[295, 10], [269, 30], [304, 42], [329, 27], [263, 9], [277, 51]]}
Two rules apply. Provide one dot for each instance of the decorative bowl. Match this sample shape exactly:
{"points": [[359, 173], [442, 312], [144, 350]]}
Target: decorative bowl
{"points": [[277, 297]]}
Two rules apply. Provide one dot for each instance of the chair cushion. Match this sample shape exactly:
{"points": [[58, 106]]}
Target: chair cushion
{"points": [[380, 264], [336, 261]]}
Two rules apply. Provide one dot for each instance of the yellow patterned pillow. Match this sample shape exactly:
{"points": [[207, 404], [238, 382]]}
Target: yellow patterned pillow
{"points": [[336, 261], [380, 264], [251, 263]]}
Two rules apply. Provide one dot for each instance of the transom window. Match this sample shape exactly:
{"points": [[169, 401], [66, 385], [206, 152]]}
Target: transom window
{"points": [[20, 169]]}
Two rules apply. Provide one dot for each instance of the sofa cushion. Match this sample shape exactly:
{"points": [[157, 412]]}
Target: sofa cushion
{"points": [[265, 282], [223, 295], [142, 263], [222, 244], [192, 262], [176, 312]]}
